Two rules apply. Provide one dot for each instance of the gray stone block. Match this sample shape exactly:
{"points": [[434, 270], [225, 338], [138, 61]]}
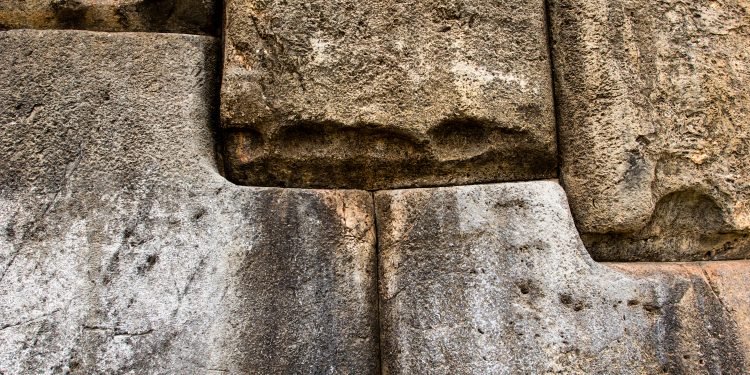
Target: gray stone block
{"points": [[493, 279], [122, 250]]}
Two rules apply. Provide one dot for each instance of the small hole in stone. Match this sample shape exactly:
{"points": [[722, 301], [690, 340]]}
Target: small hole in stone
{"points": [[566, 299]]}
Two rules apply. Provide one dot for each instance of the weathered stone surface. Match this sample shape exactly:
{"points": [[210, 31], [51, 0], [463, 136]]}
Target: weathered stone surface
{"points": [[383, 94], [122, 250], [176, 16], [493, 279], [653, 106]]}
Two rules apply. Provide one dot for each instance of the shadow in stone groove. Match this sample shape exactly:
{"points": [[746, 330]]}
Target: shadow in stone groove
{"points": [[216, 130], [370, 156], [553, 84], [378, 277], [167, 16]]}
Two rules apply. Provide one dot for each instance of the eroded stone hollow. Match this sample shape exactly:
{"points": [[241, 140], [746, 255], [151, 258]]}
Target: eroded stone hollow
{"points": [[167, 16], [383, 94]]}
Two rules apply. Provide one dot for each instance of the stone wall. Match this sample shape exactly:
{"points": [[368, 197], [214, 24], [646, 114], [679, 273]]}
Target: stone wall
{"points": [[374, 187]]}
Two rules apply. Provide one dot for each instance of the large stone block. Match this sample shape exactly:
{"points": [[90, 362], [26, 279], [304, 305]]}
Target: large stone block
{"points": [[122, 250], [493, 279], [176, 16], [653, 107], [382, 94]]}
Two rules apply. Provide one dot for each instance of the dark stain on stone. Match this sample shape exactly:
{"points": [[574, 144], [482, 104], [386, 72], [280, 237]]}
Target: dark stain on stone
{"points": [[148, 264], [10, 231], [112, 269], [637, 171], [198, 214], [433, 274], [511, 203], [290, 285], [716, 333], [573, 303], [722, 348]]}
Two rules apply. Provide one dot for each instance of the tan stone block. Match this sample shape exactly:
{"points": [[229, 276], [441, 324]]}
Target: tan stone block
{"points": [[653, 106], [382, 94]]}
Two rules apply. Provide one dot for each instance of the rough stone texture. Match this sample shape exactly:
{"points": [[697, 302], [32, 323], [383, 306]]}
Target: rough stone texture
{"points": [[382, 94], [176, 16], [123, 251], [653, 107], [493, 279]]}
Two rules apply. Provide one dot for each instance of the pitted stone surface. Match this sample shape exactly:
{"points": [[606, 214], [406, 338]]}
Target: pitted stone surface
{"points": [[175, 16], [122, 250], [493, 279], [382, 94], [653, 107]]}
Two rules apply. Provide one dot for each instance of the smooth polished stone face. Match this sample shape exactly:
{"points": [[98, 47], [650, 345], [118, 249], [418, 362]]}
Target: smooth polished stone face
{"points": [[383, 94]]}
